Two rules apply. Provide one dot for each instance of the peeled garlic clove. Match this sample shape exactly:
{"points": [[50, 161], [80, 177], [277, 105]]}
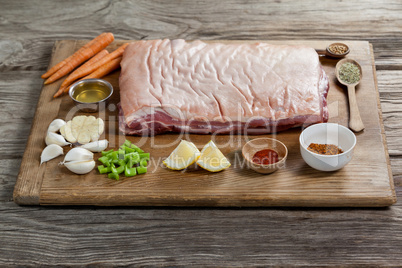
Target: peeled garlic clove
{"points": [[96, 146], [62, 131], [78, 154], [80, 167], [55, 125], [68, 133], [51, 151], [53, 138]]}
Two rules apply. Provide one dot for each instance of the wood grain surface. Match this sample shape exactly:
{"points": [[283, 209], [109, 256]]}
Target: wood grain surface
{"points": [[365, 182], [146, 236]]}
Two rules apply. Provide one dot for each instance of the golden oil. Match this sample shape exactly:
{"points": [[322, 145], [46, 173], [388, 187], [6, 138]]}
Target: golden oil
{"points": [[91, 93]]}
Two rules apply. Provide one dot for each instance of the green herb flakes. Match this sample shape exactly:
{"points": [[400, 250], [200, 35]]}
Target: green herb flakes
{"points": [[349, 73]]}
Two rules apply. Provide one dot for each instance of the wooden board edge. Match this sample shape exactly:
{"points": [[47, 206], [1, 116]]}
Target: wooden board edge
{"points": [[50, 198], [29, 180], [393, 198]]}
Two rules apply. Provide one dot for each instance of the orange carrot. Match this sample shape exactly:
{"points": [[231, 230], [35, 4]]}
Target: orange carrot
{"points": [[101, 71], [63, 62], [81, 57], [105, 69], [81, 73], [92, 60]]}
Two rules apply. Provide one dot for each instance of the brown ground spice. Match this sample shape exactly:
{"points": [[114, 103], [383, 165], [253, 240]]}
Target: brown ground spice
{"points": [[326, 149]]}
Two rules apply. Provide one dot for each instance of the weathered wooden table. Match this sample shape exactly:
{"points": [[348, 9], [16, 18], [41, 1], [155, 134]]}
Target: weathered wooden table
{"points": [[191, 236]]}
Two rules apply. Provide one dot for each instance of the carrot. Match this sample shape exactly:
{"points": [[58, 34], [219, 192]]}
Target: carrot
{"points": [[92, 60], [81, 57], [105, 69], [81, 73], [63, 62]]}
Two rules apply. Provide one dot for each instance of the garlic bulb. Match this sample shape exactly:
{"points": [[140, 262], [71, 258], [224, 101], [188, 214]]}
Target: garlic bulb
{"points": [[80, 167], [51, 151], [55, 125], [79, 160], [96, 146], [53, 138]]}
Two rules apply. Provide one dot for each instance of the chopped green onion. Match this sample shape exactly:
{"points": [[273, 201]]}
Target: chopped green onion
{"points": [[113, 169], [129, 172], [143, 162], [144, 155], [136, 158], [121, 153], [114, 176], [141, 170], [105, 161], [113, 156], [121, 162], [102, 169], [129, 159], [120, 169], [127, 150], [129, 162], [127, 143], [136, 148], [107, 152]]}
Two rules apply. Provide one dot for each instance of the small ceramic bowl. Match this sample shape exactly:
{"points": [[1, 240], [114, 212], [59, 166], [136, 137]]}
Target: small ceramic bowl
{"points": [[327, 133], [255, 145], [91, 95]]}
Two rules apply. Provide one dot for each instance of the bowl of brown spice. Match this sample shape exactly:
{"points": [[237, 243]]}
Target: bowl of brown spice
{"points": [[338, 50], [327, 146]]}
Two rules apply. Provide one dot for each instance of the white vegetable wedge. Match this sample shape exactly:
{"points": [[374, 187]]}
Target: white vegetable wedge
{"points": [[51, 151], [80, 167], [53, 138], [96, 146], [55, 125]]}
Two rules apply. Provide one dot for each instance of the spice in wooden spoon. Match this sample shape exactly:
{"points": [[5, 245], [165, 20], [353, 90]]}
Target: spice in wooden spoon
{"points": [[349, 73]]}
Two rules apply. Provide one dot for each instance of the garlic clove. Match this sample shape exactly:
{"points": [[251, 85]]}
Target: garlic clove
{"points": [[78, 154], [96, 146], [80, 167], [55, 125], [68, 133], [84, 138], [62, 131], [51, 151], [53, 138]]}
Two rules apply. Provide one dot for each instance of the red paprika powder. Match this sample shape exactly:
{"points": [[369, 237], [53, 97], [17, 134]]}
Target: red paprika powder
{"points": [[266, 157]]}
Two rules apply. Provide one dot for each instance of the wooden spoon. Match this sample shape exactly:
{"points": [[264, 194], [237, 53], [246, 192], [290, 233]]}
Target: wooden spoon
{"points": [[328, 52], [355, 121]]}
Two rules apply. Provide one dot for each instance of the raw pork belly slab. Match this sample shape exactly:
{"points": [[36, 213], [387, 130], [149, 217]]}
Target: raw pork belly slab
{"points": [[198, 87]]}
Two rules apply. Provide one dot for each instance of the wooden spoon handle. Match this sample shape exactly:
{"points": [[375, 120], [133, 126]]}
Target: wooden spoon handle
{"points": [[355, 121]]}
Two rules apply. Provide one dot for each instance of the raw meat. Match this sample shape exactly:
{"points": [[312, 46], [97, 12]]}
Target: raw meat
{"points": [[198, 87]]}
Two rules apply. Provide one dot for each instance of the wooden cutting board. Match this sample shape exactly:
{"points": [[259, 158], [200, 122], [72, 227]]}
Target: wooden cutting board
{"points": [[365, 182]]}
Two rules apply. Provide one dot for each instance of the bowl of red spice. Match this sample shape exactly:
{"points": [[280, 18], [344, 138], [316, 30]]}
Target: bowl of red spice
{"points": [[265, 155], [327, 146]]}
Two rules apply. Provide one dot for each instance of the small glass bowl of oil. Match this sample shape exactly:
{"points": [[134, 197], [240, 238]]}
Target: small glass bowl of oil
{"points": [[91, 95]]}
